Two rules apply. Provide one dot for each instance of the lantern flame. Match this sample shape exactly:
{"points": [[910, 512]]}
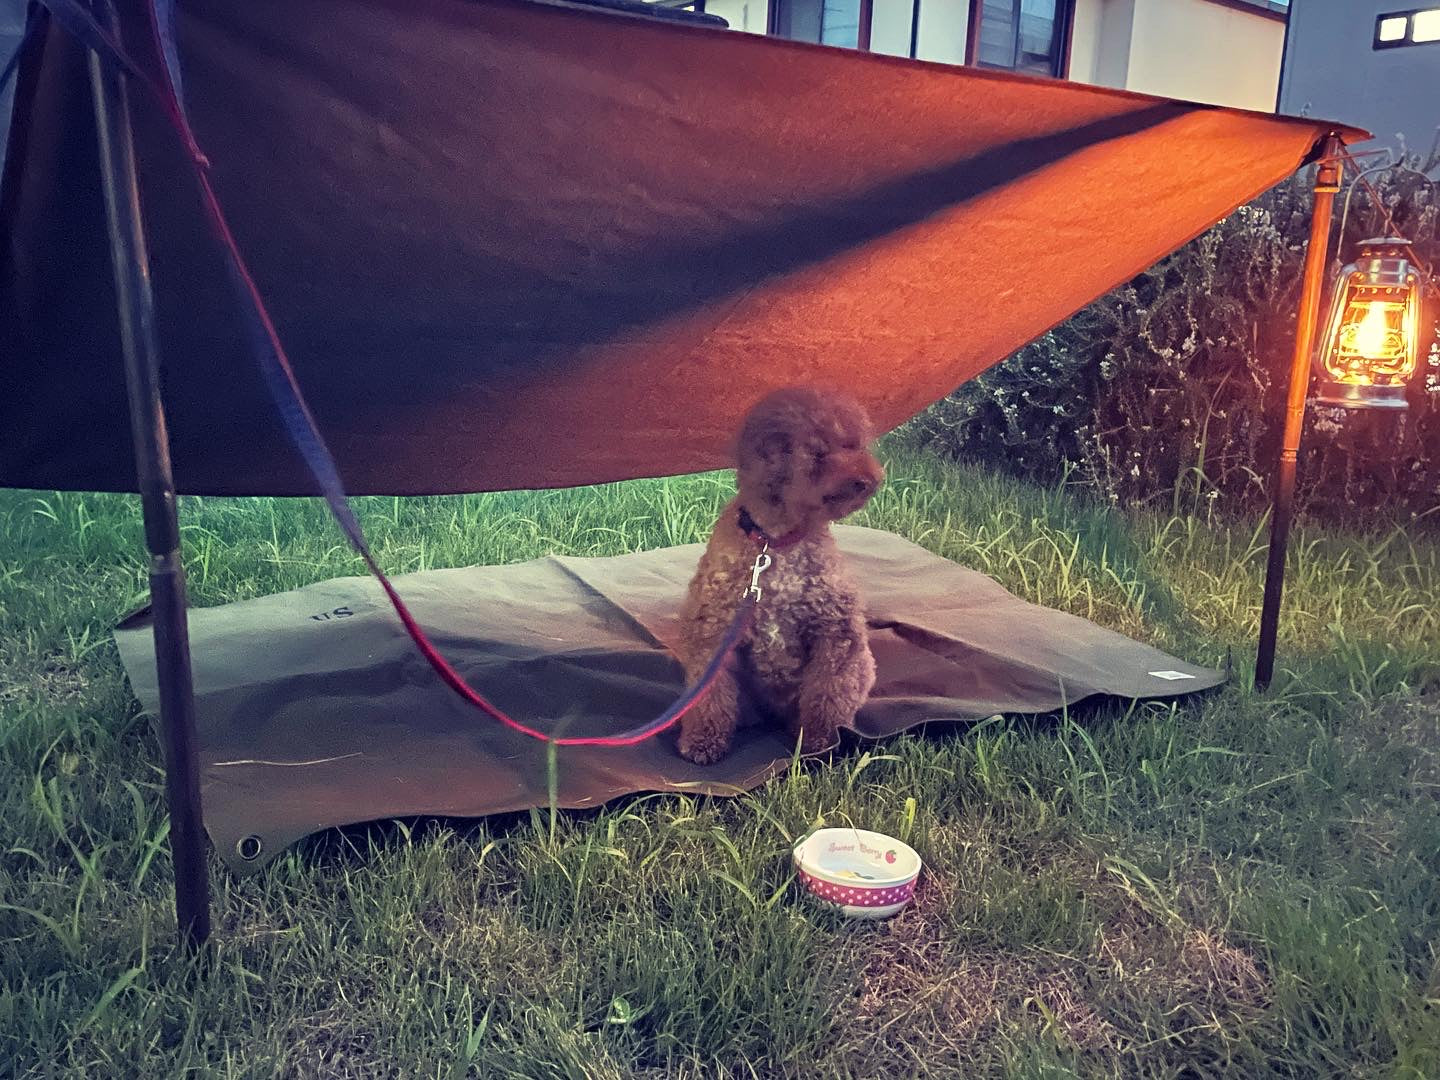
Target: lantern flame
{"points": [[1372, 335]]}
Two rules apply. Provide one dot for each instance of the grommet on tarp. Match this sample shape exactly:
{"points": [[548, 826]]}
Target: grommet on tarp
{"points": [[249, 847]]}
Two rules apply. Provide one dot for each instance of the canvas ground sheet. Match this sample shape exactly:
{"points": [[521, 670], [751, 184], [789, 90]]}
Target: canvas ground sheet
{"points": [[315, 710]]}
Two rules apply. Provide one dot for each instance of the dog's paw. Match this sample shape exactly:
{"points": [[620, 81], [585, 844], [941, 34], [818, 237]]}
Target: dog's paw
{"points": [[817, 740], [702, 748]]}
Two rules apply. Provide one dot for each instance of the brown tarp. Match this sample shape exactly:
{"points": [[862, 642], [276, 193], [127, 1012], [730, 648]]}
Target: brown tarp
{"points": [[513, 244], [314, 709]]}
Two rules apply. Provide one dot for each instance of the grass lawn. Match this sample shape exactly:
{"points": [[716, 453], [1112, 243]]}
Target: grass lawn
{"points": [[1236, 886]]}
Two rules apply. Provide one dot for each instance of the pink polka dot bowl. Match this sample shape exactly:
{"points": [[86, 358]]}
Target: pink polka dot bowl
{"points": [[867, 875]]}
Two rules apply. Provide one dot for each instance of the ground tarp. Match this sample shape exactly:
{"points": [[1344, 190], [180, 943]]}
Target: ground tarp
{"points": [[512, 244], [314, 709]]}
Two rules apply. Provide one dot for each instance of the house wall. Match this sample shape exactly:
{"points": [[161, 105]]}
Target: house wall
{"points": [[1196, 50], [1199, 50], [1085, 29], [944, 25], [1331, 70], [890, 26], [1100, 42]]}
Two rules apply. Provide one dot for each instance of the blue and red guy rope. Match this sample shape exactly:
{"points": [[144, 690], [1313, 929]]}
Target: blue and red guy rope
{"points": [[285, 391]]}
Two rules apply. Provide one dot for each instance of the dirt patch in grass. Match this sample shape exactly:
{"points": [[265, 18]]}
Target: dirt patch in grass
{"points": [[1407, 725], [1397, 739], [334, 1044], [924, 994], [1419, 730], [1184, 984], [54, 681], [928, 991]]}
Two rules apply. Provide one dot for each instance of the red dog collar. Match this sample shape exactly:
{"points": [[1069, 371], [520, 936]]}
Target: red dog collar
{"points": [[764, 539]]}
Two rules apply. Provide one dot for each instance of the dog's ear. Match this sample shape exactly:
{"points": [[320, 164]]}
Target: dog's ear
{"points": [[765, 438], [763, 458]]}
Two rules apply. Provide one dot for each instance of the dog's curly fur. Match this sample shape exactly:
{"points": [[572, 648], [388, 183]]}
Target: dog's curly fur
{"points": [[802, 461]]}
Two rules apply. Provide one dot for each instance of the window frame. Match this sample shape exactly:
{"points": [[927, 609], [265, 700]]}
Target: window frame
{"points": [[1065, 21], [1405, 41], [862, 33], [1064, 30]]}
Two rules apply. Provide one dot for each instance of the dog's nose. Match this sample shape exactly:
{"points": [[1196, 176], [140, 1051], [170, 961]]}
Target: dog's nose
{"points": [[860, 477]]}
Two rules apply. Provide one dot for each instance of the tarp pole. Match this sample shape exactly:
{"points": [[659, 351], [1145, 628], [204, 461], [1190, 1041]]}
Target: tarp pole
{"points": [[1327, 183], [135, 300]]}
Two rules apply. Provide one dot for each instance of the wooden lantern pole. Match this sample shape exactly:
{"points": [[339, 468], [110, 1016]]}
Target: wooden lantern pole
{"points": [[1327, 183], [136, 306]]}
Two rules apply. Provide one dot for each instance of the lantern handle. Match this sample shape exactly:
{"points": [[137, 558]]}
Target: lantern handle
{"points": [[1345, 209], [1391, 229]]}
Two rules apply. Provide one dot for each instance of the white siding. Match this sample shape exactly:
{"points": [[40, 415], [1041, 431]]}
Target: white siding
{"points": [[890, 26], [943, 26], [1202, 51]]}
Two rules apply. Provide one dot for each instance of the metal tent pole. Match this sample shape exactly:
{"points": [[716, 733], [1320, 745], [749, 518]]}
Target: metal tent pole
{"points": [[1327, 183], [157, 497]]}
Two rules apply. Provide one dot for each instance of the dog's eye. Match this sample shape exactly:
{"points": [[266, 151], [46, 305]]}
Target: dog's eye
{"points": [[774, 446]]}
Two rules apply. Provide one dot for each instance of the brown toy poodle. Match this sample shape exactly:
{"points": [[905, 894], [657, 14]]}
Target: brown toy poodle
{"points": [[802, 461]]}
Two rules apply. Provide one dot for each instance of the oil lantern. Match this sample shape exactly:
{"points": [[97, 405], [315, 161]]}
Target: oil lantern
{"points": [[1369, 350]]}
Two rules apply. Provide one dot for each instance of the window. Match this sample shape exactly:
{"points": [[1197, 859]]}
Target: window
{"points": [[1396, 29], [1392, 29], [824, 22], [1021, 35], [1030, 36]]}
